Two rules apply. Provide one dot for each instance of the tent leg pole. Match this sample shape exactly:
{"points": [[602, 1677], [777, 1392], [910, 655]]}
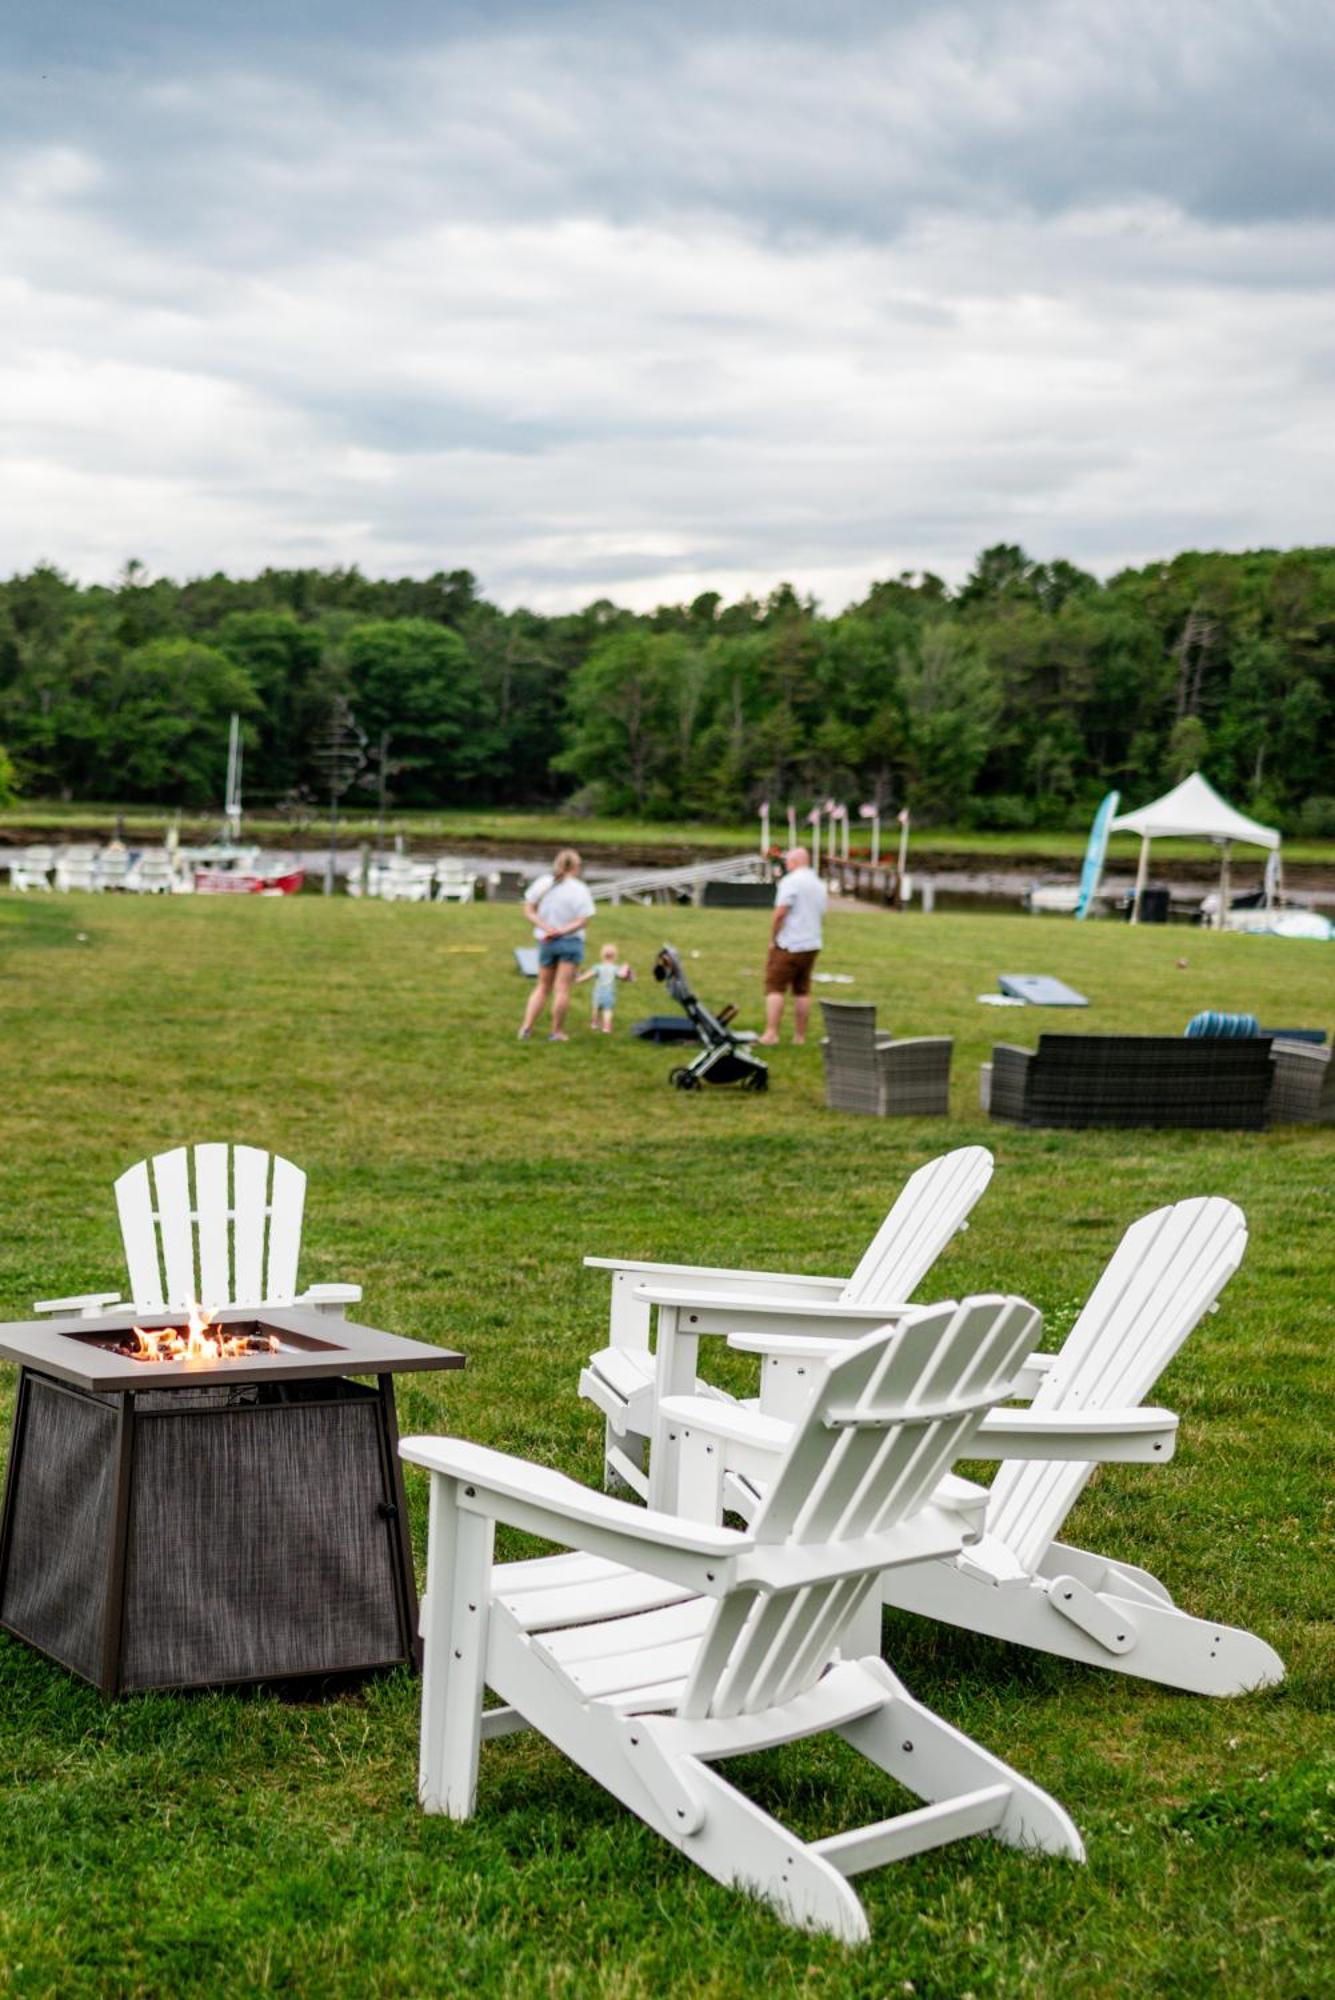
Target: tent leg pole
{"points": [[1142, 871], [1223, 886]]}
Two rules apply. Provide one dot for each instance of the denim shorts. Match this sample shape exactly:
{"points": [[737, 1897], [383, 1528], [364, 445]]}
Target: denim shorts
{"points": [[555, 951]]}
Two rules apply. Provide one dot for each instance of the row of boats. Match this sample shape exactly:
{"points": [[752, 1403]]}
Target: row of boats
{"points": [[225, 869], [1253, 911], [150, 871]]}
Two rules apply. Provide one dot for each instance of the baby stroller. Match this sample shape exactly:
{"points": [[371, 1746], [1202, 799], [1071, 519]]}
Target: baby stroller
{"points": [[723, 1058]]}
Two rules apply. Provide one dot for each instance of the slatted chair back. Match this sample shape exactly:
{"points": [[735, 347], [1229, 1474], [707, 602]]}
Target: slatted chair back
{"points": [[933, 1204], [31, 868], [213, 1224], [77, 869], [885, 1422], [1165, 1274], [851, 1028], [112, 868], [154, 870]]}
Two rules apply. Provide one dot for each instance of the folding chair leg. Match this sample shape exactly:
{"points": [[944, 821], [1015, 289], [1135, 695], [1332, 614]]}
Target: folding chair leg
{"points": [[625, 1461], [742, 1846], [938, 1762], [1152, 1640], [862, 1635], [454, 1629]]}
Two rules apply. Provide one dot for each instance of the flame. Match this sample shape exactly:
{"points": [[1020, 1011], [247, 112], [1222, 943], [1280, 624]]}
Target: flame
{"points": [[202, 1343]]}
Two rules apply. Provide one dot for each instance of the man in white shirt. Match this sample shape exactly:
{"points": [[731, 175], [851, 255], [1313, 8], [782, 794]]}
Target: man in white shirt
{"points": [[795, 942]]}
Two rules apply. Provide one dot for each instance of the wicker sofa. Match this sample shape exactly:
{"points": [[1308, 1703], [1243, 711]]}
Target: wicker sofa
{"points": [[1165, 1080], [878, 1076]]}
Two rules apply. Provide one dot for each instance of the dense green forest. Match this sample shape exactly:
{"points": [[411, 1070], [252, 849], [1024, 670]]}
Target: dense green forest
{"points": [[1012, 702]]}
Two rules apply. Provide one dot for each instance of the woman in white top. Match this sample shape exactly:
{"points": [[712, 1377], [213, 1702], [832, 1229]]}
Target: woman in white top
{"points": [[558, 906]]}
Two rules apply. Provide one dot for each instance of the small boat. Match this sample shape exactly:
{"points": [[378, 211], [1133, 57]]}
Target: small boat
{"points": [[236, 882], [1052, 899], [1289, 923]]}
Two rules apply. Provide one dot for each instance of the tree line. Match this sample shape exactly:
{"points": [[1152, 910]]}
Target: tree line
{"points": [[1013, 701]]}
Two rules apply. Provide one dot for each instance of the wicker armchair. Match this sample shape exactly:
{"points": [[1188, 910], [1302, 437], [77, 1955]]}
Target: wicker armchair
{"points": [[877, 1075], [1304, 1088]]}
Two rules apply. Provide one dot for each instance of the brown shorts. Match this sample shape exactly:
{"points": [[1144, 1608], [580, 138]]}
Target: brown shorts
{"points": [[785, 970]]}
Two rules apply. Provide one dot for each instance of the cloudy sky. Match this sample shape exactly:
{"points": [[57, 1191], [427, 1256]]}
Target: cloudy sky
{"points": [[645, 298]]}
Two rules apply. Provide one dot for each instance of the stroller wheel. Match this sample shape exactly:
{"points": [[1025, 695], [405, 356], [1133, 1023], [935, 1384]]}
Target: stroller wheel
{"points": [[685, 1079], [758, 1080]]}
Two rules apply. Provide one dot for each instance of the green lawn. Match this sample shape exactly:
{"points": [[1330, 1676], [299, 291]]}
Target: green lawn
{"points": [[242, 1844]]}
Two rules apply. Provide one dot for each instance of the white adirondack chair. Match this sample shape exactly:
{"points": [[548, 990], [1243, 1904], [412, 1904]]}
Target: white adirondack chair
{"points": [[153, 874], [404, 880], [232, 1237], [627, 1378], [31, 868], [455, 882], [113, 866], [1019, 1582], [662, 1645], [76, 868]]}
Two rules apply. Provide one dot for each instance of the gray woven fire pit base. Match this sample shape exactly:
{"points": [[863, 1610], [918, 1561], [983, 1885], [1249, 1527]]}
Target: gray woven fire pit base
{"points": [[194, 1537]]}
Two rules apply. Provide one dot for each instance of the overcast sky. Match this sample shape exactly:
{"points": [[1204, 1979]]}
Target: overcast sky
{"points": [[647, 298]]}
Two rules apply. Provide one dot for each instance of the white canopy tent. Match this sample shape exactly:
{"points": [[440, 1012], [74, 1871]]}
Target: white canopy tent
{"points": [[1193, 810]]}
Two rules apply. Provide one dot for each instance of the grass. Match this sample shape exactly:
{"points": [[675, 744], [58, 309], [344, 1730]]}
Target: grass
{"points": [[244, 1844], [50, 819]]}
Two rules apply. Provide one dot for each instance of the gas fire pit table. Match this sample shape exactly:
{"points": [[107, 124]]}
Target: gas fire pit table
{"points": [[236, 1515]]}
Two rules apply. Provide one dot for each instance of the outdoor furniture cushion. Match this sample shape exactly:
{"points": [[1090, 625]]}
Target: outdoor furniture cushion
{"points": [[1211, 1023]]}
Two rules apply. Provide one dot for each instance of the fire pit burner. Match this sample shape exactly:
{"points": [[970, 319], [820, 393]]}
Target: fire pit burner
{"points": [[152, 1345], [197, 1518]]}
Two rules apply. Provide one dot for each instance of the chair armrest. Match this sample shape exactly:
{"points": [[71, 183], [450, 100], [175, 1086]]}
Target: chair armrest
{"points": [[1138, 1436], [951, 1490], [962, 1497], [735, 1423], [544, 1502], [86, 1305], [1030, 1378], [791, 1346], [703, 1313], [330, 1299], [716, 1277]]}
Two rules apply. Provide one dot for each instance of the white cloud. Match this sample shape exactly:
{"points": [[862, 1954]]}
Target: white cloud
{"points": [[606, 311]]}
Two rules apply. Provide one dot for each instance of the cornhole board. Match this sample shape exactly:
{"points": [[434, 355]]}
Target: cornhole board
{"points": [[526, 958], [1039, 990]]}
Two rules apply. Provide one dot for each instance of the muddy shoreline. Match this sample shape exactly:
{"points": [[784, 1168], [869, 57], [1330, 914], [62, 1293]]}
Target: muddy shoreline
{"points": [[1003, 876]]}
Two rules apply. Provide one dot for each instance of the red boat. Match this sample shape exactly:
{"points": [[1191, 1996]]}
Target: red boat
{"points": [[231, 882]]}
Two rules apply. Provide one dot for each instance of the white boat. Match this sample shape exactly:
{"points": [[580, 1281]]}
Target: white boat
{"points": [[1281, 923], [1052, 899]]}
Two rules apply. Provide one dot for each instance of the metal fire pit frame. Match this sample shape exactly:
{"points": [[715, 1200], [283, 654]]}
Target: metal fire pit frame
{"points": [[64, 1364], [73, 1350]]}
